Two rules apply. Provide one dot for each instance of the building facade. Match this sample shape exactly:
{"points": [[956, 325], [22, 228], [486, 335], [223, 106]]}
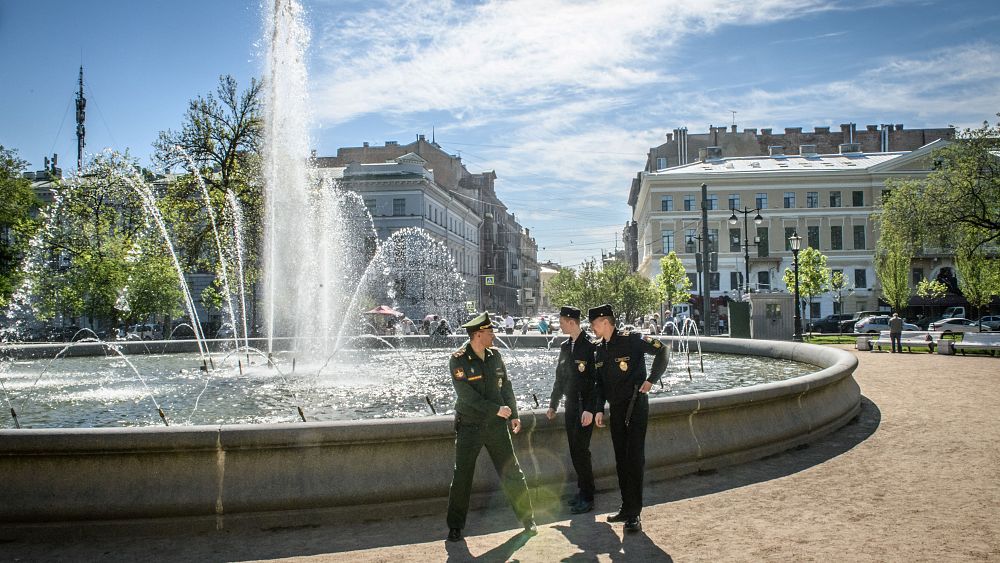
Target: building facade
{"points": [[827, 199]]}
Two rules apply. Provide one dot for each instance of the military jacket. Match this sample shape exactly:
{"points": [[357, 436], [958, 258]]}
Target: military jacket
{"points": [[620, 364], [575, 376], [482, 386]]}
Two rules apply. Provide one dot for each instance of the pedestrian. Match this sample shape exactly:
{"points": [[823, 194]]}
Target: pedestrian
{"points": [[896, 333], [652, 327], [543, 326], [425, 327], [484, 408], [508, 323], [575, 381], [621, 381]]}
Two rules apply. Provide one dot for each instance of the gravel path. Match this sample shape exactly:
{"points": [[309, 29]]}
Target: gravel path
{"points": [[915, 478]]}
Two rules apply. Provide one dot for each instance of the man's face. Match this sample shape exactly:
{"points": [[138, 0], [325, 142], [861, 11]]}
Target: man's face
{"points": [[602, 327], [483, 337], [568, 325]]}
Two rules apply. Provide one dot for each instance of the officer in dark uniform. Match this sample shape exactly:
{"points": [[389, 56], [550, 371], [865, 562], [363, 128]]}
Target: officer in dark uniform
{"points": [[575, 381], [484, 407], [620, 362]]}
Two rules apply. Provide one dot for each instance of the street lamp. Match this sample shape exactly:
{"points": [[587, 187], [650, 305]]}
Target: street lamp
{"points": [[795, 242], [746, 238]]}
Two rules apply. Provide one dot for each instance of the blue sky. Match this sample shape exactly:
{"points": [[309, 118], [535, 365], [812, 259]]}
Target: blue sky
{"points": [[561, 98]]}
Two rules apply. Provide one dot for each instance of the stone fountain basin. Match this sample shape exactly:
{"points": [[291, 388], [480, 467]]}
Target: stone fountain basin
{"points": [[211, 477]]}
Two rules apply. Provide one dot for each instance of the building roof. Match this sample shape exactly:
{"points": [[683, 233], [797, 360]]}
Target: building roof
{"points": [[772, 164]]}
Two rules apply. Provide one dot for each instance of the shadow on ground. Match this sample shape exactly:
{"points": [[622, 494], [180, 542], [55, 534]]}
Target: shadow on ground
{"points": [[589, 532]]}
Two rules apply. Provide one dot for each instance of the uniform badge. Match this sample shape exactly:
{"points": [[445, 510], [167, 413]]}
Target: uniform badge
{"points": [[581, 366], [500, 383], [623, 365], [653, 341], [459, 373]]}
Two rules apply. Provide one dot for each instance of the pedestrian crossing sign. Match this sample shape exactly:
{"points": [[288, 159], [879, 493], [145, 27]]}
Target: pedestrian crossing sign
{"points": [[489, 280]]}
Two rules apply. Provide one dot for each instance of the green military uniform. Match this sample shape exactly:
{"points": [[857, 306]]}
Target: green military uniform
{"points": [[483, 388]]}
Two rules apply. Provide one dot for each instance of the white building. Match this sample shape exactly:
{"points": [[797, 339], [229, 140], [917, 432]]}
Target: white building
{"points": [[826, 199]]}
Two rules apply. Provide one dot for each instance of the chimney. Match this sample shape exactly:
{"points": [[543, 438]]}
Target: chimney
{"points": [[776, 150], [365, 144], [765, 131], [733, 128]]}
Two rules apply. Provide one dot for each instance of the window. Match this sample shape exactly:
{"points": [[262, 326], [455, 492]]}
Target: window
{"points": [[667, 203], [762, 247], [860, 279], [812, 199], [689, 241], [735, 280], [713, 281], [713, 240], [885, 195], [399, 206], [761, 200], [734, 240], [836, 237], [713, 201], [694, 281], [789, 231], [789, 200], [917, 276], [835, 199], [812, 237], [668, 241], [763, 281], [661, 163], [688, 203], [734, 201], [837, 308], [814, 312], [859, 237], [370, 204], [858, 198]]}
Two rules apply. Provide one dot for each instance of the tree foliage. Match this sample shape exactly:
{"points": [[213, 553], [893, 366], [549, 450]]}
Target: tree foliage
{"points": [[814, 275], [630, 294], [672, 282], [99, 244], [892, 266], [16, 223]]}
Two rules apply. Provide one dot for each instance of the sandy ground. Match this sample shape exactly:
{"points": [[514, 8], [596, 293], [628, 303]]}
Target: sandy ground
{"points": [[915, 478]]}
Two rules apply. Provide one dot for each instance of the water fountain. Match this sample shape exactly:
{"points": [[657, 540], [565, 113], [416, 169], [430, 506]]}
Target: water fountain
{"points": [[265, 470]]}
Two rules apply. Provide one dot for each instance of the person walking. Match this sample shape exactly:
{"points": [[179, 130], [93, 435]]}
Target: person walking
{"points": [[896, 333], [621, 381], [508, 323], [575, 381], [484, 408]]}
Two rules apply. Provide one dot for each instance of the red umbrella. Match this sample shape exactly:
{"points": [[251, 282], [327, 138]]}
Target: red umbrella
{"points": [[384, 310]]}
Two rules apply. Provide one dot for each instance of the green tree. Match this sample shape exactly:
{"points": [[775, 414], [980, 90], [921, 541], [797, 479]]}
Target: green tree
{"points": [[838, 286], [892, 266], [99, 243], [629, 294], [17, 225], [672, 282], [929, 289], [978, 277], [814, 275]]}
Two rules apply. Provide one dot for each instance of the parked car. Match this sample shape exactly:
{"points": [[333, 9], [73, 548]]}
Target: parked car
{"points": [[992, 321], [957, 324], [145, 332], [848, 325], [829, 323], [877, 323]]}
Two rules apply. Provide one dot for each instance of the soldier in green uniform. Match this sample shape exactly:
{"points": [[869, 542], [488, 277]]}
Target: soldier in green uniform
{"points": [[484, 407], [620, 362]]}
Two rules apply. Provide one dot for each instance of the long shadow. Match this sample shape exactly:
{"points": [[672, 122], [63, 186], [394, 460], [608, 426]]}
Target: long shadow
{"points": [[592, 537]]}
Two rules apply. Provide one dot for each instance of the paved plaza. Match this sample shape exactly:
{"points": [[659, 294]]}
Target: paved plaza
{"points": [[915, 478]]}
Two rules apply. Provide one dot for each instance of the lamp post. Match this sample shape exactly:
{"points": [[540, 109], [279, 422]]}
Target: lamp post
{"points": [[746, 238], [795, 242]]}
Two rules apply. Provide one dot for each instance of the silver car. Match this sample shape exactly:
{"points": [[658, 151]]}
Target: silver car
{"points": [[957, 324], [878, 323]]}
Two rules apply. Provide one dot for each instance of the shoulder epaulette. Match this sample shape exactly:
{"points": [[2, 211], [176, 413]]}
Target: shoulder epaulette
{"points": [[459, 353]]}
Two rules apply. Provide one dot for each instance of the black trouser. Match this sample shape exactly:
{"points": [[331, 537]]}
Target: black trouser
{"points": [[895, 341], [469, 441], [579, 451], [630, 451]]}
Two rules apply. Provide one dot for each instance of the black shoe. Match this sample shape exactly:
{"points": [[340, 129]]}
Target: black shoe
{"points": [[454, 534], [574, 500], [582, 507], [529, 528], [633, 524], [617, 517]]}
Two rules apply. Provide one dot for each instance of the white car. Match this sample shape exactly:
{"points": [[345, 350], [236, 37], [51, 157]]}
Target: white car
{"points": [[957, 324], [144, 332], [991, 321], [878, 323]]}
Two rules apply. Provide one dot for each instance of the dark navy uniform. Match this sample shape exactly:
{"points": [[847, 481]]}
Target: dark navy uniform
{"points": [[620, 364], [483, 388], [575, 381]]}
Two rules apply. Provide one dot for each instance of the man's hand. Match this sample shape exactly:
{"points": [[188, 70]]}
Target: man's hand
{"points": [[504, 412], [586, 418], [646, 386], [515, 425], [599, 419], [550, 414]]}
